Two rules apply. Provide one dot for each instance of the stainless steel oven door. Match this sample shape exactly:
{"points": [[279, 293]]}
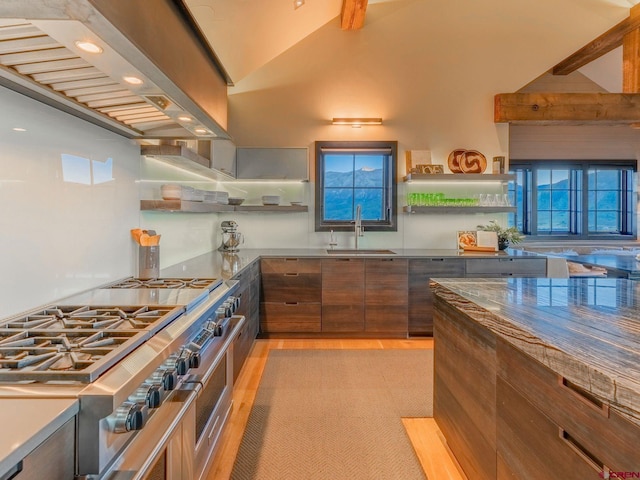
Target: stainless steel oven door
{"points": [[163, 449], [212, 410]]}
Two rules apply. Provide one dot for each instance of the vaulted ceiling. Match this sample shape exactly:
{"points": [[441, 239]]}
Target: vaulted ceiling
{"points": [[247, 34]]}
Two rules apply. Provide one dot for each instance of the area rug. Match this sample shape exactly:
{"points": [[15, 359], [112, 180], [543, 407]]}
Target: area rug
{"points": [[336, 414]]}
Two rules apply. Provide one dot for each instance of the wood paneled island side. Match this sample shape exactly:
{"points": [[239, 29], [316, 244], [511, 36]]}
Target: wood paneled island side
{"points": [[538, 377]]}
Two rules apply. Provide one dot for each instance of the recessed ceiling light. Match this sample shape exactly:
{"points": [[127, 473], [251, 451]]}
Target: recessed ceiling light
{"points": [[297, 4], [19, 129], [133, 80], [184, 118], [201, 130], [88, 47]]}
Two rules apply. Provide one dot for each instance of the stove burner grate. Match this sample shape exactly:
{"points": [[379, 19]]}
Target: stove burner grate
{"points": [[61, 354], [98, 318], [173, 283]]}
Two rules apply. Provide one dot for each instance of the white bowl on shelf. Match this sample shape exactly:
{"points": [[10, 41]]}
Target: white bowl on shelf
{"points": [[271, 199]]}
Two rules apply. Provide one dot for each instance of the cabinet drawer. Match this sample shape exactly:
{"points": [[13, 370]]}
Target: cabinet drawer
{"points": [[290, 317], [530, 446], [343, 281], [343, 318], [437, 267], [290, 265], [608, 436], [386, 282], [291, 287], [507, 267]]}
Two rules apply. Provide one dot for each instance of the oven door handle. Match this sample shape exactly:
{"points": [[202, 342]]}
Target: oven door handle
{"points": [[140, 456]]}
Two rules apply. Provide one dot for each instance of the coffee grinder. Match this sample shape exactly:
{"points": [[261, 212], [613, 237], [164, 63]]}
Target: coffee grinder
{"points": [[231, 238]]}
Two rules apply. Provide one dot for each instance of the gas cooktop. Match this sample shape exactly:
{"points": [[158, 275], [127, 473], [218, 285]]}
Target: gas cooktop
{"points": [[131, 282], [77, 343]]}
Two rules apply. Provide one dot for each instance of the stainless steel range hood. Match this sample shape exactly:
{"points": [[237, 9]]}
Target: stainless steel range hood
{"points": [[184, 88]]}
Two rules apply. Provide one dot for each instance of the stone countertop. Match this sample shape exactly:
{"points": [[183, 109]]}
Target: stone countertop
{"points": [[585, 329], [622, 263], [226, 265], [26, 423]]}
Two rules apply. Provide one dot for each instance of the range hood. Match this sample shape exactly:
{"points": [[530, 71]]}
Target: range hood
{"points": [[183, 93]]}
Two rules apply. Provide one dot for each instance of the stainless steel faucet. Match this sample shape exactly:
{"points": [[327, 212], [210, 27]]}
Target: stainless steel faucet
{"points": [[359, 229]]}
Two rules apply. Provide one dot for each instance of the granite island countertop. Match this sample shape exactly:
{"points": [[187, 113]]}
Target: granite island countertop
{"points": [[627, 265], [585, 329]]}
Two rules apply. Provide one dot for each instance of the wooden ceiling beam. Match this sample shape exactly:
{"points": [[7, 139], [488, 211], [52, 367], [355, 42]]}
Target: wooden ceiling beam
{"points": [[631, 58], [353, 12], [550, 108], [606, 42]]}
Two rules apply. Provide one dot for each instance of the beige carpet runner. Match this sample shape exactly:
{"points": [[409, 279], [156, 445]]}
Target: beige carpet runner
{"points": [[336, 414]]}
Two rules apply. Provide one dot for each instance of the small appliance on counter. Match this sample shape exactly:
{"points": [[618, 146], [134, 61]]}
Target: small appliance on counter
{"points": [[231, 238]]}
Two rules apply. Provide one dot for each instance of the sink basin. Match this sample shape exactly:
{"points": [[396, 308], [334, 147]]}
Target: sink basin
{"points": [[352, 251]]}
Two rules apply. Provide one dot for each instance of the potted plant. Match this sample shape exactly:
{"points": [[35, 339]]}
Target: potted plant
{"points": [[506, 236]]}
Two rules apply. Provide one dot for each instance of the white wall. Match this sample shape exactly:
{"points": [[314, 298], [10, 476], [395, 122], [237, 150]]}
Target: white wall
{"points": [[65, 227]]}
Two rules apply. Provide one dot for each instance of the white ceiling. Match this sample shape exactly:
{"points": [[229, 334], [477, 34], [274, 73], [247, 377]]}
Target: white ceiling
{"points": [[247, 34]]}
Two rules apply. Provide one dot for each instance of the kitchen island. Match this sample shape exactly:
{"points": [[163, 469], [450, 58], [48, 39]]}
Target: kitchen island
{"points": [[539, 378]]}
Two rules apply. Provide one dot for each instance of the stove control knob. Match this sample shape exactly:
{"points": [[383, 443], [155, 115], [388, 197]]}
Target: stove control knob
{"points": [[236, 302], [128, 417], [232, 304], [166, 377], [217, 331], [169, 379], [194, 360], [149, 394], [223, 312], [181, 365]]}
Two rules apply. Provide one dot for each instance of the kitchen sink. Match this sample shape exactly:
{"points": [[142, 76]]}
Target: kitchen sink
{"points": [[353, 251]]}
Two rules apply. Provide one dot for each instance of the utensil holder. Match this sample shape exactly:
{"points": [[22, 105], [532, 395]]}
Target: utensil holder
{"points": [[149, 262]]}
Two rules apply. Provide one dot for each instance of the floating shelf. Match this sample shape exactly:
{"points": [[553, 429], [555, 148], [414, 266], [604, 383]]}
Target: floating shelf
{"points": [[458, 210], [458, 177], [271, 208], [186, 206]]}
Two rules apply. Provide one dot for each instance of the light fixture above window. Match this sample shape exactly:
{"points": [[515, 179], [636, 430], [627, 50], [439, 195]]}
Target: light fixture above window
{"points": [[357, 122]]}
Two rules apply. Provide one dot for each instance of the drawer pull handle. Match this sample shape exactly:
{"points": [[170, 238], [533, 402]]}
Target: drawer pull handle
{"points": [[290, 259], [291, 303], [290, 274], [585, 397], [437, 259], [582, 452]]}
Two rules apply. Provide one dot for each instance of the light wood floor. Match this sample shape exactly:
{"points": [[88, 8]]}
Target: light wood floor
{"points": [[425, 436]]}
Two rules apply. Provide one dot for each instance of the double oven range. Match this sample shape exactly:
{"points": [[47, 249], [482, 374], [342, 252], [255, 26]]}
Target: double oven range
{"points": [[150, 363]]}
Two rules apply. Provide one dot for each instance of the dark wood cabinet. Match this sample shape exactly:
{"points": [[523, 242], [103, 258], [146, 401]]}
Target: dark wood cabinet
{"points": [[248, 292], [343, 295], [577, 436], [386, 295], [505, 415], [291, 295], [464, 404], [421, 270], [506, 267]]}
